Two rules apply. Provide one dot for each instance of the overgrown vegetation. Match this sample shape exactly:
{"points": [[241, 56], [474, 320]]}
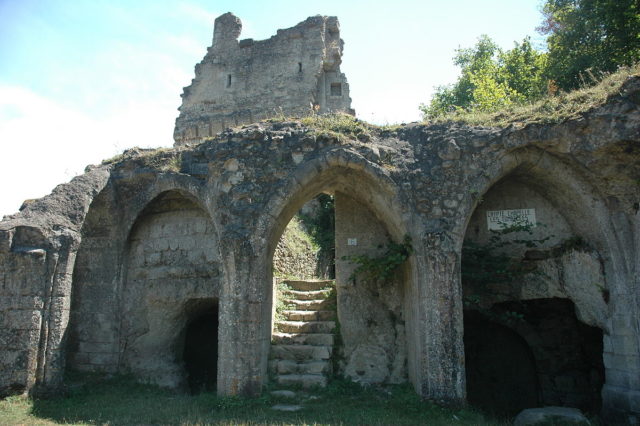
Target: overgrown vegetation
{"points": [[121, 401], [321, 226], [491, 79], [549, 110], [295, 242], [384, 266], [587, 41], [339, 126], [298, 239], [492, 263], [589, 37], [163, 159], [281, 304]]}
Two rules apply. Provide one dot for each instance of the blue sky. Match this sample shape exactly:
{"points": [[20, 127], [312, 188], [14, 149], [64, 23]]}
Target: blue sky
{"points": [[83, 80]]}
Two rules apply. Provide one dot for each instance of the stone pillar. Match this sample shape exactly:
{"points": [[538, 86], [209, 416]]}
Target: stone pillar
{"points": [[621, 357], [621, 392], [439, 322], [56, 318], [245, 317], [36, 310], [23, 277]]}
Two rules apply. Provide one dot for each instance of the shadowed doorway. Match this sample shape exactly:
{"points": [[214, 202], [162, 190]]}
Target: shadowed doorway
{"points": [[201, 350]]}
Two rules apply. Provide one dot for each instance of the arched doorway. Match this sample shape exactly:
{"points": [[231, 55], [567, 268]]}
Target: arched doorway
{"points": [[527, 269], [501, 370], [200, 353], [172, 264], [371, 313]]}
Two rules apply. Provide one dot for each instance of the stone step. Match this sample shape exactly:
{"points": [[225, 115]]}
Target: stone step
{"points": [[283, 393], [311, 305], [309, 315], [290, 295], [287, 407], [305, 326], [287, 366], [313, 339], [304, 380], [307, 285], [300, 352]]}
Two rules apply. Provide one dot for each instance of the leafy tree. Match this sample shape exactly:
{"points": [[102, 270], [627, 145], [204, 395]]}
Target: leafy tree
{"points": [[589, 37], [491, 78], [523, 69]]}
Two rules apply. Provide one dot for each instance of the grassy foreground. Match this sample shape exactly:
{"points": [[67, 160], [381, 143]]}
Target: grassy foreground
{"points": [[122, 401]]}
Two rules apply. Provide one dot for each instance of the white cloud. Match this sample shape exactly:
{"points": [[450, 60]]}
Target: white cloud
{"points": [[45, 143]]}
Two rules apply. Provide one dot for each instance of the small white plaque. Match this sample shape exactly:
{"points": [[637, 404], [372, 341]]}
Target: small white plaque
{"points": [[352, 241], [501, 219]]}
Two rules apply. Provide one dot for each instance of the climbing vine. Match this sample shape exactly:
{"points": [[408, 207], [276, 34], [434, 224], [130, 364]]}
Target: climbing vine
{"points": [[490, 263], [381, 267]]}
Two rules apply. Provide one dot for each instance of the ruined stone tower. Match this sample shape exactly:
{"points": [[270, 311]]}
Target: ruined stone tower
{"points": [[292, 73], [160, 263]]}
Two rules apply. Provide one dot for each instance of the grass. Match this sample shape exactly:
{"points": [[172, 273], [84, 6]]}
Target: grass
{"points": [[296, 243], [120, 401], [298, 239], [341, 127], [550, 109], [281, 304], [163, 159]]}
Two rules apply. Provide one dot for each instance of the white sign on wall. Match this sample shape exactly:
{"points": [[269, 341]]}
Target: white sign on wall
{"points": [[501, 219], [352, 241]]}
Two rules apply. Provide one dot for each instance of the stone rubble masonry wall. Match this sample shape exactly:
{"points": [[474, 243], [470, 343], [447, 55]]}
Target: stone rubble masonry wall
{"points": [[171, 265], [371, 312], [173, 262], [37, 250], [561, 275], [239, 82], [424, 181]]}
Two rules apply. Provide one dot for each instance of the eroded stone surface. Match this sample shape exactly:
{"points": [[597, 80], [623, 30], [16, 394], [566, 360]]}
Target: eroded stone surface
{"points": [[294, 73], [67, 255]]}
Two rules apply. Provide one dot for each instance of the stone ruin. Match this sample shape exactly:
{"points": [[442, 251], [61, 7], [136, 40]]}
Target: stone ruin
{"points": [[126, 266], [293, 73]]}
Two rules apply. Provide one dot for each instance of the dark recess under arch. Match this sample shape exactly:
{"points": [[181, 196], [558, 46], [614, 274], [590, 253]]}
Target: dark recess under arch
{"points": [[200, 354]]}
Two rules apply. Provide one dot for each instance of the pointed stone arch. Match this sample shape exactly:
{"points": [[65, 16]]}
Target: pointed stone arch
{"points": [[171, 260], [165, 230], [571, 191], [346, 172]]}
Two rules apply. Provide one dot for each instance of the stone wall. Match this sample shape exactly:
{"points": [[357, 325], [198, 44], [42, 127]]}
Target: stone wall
{"points": [[513, 194], [171, 264], [38, 248], [563, 265], [424, 181], [173, 261], [370, 311], [21, 304], [294, 73]]}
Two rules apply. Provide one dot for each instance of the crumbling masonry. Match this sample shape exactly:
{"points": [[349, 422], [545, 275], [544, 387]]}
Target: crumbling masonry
{"points": [[108, 271], [294, 73]]}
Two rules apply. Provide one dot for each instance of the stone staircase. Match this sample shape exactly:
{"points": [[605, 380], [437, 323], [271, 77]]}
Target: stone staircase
{"points": [[302, 339]]}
